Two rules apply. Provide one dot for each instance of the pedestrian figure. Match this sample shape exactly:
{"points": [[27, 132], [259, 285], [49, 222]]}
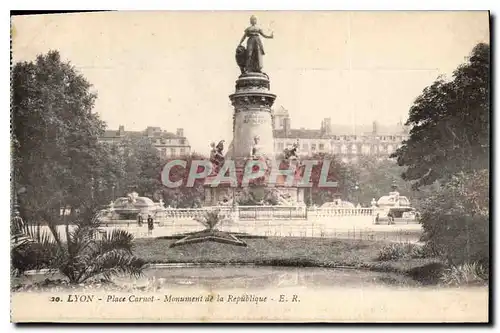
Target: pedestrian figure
{"points": [[139, 220], [150, 224]]}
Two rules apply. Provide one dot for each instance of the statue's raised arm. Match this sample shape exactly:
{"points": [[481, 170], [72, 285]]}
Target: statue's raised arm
{"points": [[271, 36], [250, 59]]}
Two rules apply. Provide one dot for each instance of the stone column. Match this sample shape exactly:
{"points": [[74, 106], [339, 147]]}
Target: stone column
{"points": [[252, 117]]}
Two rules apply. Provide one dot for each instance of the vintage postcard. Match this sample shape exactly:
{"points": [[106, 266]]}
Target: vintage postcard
{"points": [[268, 166]]}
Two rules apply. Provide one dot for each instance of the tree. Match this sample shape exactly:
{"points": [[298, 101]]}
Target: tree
{"points": [[184, 196], [143, 167], [450, 124], [81, 256], [375, 178], [54, 137], [449, 146], [338, 171], [131, 165], [112, 171]]}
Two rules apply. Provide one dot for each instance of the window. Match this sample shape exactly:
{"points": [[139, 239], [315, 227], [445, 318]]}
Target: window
{"points": [[172, 152], [305, 147], [164, 152], [321, 146], [313, 146], [281, 146], [343, 149], [183, 151]]}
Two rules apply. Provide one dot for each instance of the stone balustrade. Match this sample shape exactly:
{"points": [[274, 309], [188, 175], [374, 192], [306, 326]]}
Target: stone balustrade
{"points": [[191, 213], [329, 212], [249, 213], [260, 213]]}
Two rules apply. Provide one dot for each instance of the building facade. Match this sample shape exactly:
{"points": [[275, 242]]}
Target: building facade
{"points": [[169, 144], [347, 143]]}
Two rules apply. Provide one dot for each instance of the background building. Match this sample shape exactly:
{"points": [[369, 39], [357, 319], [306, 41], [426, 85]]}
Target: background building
{"points": [[347, 142], [168, 144]]}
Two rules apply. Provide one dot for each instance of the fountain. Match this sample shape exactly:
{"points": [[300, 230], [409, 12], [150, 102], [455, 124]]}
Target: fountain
{"points": [[131, 207], [393, 206]]}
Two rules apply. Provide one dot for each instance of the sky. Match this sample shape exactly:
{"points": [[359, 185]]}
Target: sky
{"points": [[177, 69]]}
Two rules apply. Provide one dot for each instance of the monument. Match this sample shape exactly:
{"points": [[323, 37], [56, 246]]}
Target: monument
{"points": [[252, 126]]}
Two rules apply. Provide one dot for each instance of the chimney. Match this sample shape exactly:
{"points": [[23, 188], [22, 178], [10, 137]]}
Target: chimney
{"points": [[286, 125], [374, 128], [121, 130], [180, 132]]}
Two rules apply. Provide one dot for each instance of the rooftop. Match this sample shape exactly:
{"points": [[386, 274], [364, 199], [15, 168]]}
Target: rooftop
{"points": [[148, 132], [339, 130]]}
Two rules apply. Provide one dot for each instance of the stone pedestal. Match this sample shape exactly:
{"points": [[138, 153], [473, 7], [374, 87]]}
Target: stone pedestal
{"points": [[252, 116]]}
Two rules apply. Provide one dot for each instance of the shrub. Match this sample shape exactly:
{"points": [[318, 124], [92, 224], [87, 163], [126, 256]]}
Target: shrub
{"points": [[465, 274], [210, 219], [392, 251], [395, 251], [421, 251], [456, 219]]}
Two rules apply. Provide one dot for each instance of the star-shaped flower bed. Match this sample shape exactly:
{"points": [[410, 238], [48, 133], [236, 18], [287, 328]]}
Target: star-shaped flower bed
{"points": [[210, 234]]}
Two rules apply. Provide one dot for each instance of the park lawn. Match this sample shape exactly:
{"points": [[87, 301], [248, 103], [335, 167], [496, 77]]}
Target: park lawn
{"points": [[279, 251]]}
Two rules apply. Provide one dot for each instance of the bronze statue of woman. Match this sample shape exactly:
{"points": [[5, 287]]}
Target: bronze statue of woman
{"points": [[255, 49]]}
